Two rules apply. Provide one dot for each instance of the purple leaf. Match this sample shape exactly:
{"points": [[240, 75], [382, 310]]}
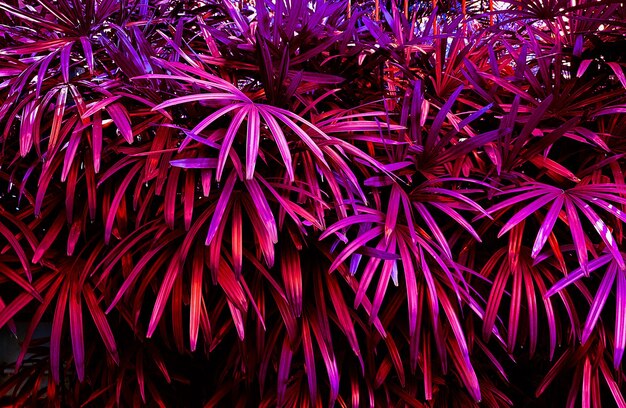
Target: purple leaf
{"points": [[252, 141], [220, 207], [603, 231], [598, 302], [526, 211], [196, 163], [122, 120], [620, 319], [547, 225], [578, 273], [578, 234], [76, 328], [229, 138]]}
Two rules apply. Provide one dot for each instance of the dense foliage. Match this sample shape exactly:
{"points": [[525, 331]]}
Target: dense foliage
{"points": [[300, 204]]}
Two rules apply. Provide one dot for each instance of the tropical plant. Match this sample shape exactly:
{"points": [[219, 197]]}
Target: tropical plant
{"points": [[288, 203]]}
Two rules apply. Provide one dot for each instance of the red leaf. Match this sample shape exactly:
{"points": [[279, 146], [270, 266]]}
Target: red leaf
{"points": [[57, 120], [169, 207], [23, 299], [172, 272], [101, 323], [57, 327], [19, 251], [119, 196], [309, 361], [231, 286], [344, 321], [196, 295], [17, 279], [237, 239], [292, 276]]}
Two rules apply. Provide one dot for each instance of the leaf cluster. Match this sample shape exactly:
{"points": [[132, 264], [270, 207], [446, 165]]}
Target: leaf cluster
{"points": [[296, 204]]}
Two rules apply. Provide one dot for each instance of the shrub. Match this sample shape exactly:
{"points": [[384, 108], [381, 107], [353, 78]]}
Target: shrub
{"points": [[224, 205]]}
